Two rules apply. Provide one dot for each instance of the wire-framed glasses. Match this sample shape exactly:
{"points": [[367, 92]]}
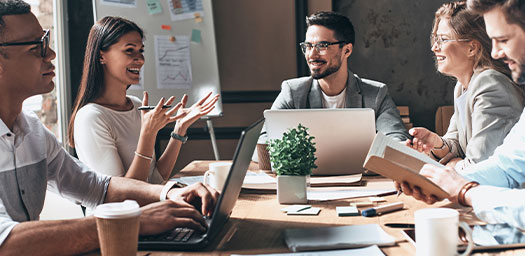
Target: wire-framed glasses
{"points": [[439, 40], [43, 42], [321, 47]]}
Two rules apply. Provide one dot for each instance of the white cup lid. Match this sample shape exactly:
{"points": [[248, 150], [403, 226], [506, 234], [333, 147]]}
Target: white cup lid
{"points": [[126, 209]]}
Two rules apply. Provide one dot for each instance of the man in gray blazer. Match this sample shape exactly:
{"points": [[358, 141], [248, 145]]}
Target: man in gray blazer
{"points": [[329, 42]]}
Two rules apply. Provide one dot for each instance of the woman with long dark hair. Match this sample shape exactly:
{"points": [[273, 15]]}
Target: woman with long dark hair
{"points": [[107, 130]]}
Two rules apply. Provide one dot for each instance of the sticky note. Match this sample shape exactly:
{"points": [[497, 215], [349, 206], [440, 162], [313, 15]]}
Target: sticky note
{"points": [[198, 17], [309, 211], [377, 199], [295, 208], [165, 27], [195, 35], [154, 6], [362, 204], [347, 211]]}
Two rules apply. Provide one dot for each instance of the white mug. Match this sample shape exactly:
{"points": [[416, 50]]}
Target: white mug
{"points": [[437, 232], [216, 175]]}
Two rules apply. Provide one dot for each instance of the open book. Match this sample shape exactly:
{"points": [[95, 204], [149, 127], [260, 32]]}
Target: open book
{"points": [[395, 160]]}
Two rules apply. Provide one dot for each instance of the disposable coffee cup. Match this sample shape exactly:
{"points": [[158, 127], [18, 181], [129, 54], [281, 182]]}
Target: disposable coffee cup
{"points": [[118, 228]]}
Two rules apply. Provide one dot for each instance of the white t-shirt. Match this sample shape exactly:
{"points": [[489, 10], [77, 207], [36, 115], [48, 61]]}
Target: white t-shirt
{"points": [[106, 139], [337, 101]]}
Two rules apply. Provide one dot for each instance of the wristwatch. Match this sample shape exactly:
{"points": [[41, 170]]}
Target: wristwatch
{"points": [[183, 139]]}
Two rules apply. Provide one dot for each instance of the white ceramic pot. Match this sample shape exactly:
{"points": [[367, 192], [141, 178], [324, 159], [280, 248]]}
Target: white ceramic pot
{"points": [[291, 189]]}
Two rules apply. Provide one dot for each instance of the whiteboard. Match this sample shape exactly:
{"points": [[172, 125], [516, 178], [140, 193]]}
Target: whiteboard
{"points": [[203, 76]]}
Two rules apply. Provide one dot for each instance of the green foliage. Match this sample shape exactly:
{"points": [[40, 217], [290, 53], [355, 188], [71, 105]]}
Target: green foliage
{"points": [[294, 154]]}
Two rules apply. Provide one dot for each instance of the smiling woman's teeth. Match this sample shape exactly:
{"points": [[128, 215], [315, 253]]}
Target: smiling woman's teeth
{"points": [[134, 70], [440, 57]]}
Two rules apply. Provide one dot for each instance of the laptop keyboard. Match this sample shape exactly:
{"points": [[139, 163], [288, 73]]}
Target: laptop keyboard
{"points": [[175, 235]]}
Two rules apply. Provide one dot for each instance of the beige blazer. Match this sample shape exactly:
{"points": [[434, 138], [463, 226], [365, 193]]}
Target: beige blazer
{"points": [[493, 105]]}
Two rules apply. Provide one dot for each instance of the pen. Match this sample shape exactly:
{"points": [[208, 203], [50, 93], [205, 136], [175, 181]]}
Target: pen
{"points": [[152, 107], [370, 212], [400, 225], [399, 191]]}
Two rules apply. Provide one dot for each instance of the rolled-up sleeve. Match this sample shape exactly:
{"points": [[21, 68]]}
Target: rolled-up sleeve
{"points": [[72, 179], [6, 223]]}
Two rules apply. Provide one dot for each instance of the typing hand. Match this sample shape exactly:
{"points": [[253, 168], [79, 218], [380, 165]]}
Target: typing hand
{"points": [[166, 215], [198, 195]]}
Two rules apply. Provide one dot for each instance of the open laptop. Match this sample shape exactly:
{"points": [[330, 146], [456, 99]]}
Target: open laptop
{"points": [[187, 239], [342, 136]]}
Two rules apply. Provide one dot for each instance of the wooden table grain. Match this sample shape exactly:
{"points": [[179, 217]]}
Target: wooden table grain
{"points": [[256, 225]]}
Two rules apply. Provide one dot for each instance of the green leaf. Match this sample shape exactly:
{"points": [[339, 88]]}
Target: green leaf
{"points": [[294, 154]]}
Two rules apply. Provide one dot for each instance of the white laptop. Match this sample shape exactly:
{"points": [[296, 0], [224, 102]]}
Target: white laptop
{"points": [[342, 136]]}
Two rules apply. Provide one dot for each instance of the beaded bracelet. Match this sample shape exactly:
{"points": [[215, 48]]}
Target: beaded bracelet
{"points": [[143, 156], [463, 191]]}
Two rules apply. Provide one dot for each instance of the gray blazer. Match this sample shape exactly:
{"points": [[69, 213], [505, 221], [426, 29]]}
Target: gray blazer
{"points": [[493, 105], [305, 92]]}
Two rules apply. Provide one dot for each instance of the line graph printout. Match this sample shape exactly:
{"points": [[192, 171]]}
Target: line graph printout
{"points": [[173, 62]]}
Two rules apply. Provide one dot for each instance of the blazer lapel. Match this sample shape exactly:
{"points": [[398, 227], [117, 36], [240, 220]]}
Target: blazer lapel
{"points": [[314, 97], [354, 99]]}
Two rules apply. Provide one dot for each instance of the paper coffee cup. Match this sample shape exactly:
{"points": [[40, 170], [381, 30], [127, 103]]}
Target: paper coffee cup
{"points": [[118, 227]]}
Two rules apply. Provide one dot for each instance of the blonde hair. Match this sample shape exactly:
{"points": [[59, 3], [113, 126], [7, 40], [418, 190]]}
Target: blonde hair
{"points": [[469, 25]]}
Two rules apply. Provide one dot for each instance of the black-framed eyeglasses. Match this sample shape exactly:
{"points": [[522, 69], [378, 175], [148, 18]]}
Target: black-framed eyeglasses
{"points": [[43, 42], [320, 47]]}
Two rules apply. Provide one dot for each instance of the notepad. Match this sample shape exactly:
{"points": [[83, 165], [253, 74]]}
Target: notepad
{"points": [[308, 239], [343, 211]]}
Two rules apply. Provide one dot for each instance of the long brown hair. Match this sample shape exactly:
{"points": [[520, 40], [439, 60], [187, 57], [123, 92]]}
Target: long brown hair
{"points": [[469, 25], [106, 32]]}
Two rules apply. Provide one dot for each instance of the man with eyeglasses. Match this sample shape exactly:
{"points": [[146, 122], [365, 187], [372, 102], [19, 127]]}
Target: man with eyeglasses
{"points": [[32, 160], [494, 187], [328, 45]]}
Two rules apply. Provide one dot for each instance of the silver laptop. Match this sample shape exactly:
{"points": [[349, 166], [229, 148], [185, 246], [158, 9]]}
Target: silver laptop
{"points": [[342, 136]]}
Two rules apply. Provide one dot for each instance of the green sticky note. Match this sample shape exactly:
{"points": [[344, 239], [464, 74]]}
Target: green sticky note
{"points": [[154, 6], [196, 36]]}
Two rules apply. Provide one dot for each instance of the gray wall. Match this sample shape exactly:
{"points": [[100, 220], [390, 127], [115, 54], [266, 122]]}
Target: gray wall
{"points": [[392, 46]]}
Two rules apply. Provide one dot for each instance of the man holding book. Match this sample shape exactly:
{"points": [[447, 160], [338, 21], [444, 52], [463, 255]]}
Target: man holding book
{"points": [[498, 198]]}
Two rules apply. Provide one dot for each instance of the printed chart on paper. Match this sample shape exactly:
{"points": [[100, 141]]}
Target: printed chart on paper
{"points": [[173, 62]]}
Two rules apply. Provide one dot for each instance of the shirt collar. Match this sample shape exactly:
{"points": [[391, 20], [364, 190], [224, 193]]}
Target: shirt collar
{"points": [[20, 127]]}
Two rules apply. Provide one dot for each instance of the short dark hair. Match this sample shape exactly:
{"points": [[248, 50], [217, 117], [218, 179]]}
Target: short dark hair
{"points": [[514, 10], [12, 7], [340, 24]]}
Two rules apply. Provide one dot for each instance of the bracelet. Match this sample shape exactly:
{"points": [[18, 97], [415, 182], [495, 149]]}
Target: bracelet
{"points": [[164, 192], [143, 156], [463, 191], [442, 146]]}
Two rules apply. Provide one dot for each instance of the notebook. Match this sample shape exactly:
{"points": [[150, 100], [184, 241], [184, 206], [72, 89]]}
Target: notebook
{"points": [[342, 136], [187, 239], [339, 237]]}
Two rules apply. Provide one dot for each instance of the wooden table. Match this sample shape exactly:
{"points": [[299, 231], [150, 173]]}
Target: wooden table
{"points": [[256, 225]]}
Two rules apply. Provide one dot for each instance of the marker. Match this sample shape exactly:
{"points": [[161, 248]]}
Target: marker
{"points": [[400, 225], [370, 212], [152, 107]]}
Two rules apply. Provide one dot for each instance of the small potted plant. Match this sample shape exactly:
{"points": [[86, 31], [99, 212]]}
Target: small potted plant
{"points": [[292, 158]]}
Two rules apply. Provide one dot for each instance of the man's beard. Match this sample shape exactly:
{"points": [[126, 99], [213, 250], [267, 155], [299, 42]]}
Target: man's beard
{"points": [[329, 70], [519, 75]]}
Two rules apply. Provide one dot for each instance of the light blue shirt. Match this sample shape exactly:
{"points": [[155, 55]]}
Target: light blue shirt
{"points": [[506, 167]]}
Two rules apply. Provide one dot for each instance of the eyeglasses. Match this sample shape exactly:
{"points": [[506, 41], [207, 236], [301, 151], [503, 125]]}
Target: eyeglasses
{"points": [[43, 42], [320, 47], [439, 40]]}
